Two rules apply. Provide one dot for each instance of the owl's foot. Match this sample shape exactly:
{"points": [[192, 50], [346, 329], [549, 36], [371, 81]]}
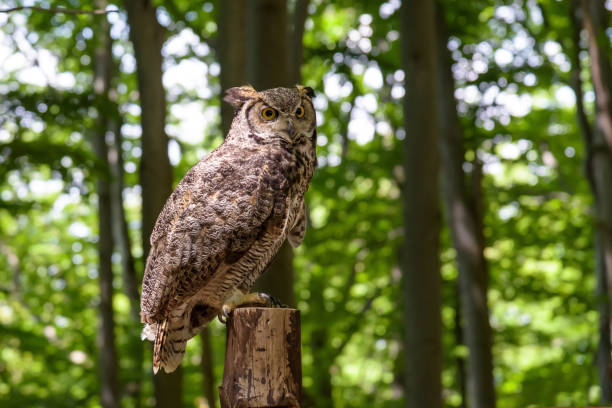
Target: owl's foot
{"points": [[271, 300], [247, 300]]}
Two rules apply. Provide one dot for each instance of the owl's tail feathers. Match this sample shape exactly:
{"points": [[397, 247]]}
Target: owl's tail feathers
{"points": [[158, 345], [168, 345]]}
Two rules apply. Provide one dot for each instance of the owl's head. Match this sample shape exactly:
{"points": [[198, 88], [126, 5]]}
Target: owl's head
{"points": [[274, 115]]}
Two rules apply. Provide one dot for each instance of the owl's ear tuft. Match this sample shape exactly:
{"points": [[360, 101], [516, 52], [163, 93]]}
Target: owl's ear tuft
{"points": [[239, 95], [310, 92], [306, 91]]}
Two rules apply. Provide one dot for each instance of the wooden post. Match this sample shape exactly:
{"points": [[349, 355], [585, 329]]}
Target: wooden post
{"points": [[263, 363]]}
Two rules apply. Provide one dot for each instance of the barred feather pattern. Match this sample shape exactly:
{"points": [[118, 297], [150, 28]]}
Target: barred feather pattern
{"points": [[227, 218]]}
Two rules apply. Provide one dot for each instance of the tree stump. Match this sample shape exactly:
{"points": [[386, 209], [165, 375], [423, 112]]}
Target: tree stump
{"points": [[263, 363]]}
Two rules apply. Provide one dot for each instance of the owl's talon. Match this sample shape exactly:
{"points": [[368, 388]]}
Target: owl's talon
{"points": [[226, 310], [266, 297], [271, 300], [248, 300], [222, 318]]}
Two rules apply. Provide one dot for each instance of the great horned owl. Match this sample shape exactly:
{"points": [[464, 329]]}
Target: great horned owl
{"points": [[228, 217]]}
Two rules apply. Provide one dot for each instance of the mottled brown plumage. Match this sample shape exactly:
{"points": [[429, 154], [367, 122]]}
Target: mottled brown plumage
{"points": [[228, 217]]}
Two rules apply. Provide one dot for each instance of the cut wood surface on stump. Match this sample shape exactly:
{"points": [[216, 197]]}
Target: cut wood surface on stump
{"points": [[263, 363]]}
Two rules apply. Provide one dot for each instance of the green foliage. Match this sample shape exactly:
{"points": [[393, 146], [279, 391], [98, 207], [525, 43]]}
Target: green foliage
{"points": [[516, 121]]}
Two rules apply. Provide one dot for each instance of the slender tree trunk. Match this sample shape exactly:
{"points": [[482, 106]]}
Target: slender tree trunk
{"points": [[598, 169], [109, 367], [321, 388], [322, 384], [420, 249], [122, 241], [458, 332], [147, 35], [120, 227], [576, 84], [268, 67], [602, 170], [596, 21], [602, 357], [208, 365], [473, 273]]}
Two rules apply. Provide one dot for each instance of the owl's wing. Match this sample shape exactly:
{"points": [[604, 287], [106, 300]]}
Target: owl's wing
{"points": [[213, 217], [296, 233]]}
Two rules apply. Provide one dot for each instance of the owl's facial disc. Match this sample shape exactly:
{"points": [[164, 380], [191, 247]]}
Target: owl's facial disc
{"points": [[285, 116]]}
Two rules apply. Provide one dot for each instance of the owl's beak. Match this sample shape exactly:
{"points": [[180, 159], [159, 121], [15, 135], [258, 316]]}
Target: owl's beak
{"points": [[291, 128]]}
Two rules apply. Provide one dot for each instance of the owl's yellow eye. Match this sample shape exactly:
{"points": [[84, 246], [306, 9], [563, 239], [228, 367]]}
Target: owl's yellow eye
{"points": [[268, 113], [299, 112]]}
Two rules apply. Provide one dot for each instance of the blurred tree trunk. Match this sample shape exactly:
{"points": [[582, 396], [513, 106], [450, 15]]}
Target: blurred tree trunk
{"points": [[122, 241], [321, 350], [108, 360], [208, 372], [121, 236], [463, 221], [460, 360], [268, 44], [120, 225], [232, 52], [598, 142], [296, 45], [268, 67], [420, 248], [147, 35], [596, 22]]}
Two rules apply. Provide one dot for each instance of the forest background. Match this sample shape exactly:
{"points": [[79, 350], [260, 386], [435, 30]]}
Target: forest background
{"points": [[459, 245]]}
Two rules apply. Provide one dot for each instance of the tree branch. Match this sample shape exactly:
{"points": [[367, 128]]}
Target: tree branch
{"points": [[58, 10]]}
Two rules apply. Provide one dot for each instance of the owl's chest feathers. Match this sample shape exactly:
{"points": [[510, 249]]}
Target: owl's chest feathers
{"points": [[285, 171], [297, 164]]}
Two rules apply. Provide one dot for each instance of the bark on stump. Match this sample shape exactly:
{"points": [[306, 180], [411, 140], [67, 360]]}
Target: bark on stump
{"points": [[263, 363]]}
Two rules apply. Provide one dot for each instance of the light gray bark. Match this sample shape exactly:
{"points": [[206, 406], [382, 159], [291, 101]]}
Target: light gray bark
{"points": [[420, 249], [147, 35]]}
